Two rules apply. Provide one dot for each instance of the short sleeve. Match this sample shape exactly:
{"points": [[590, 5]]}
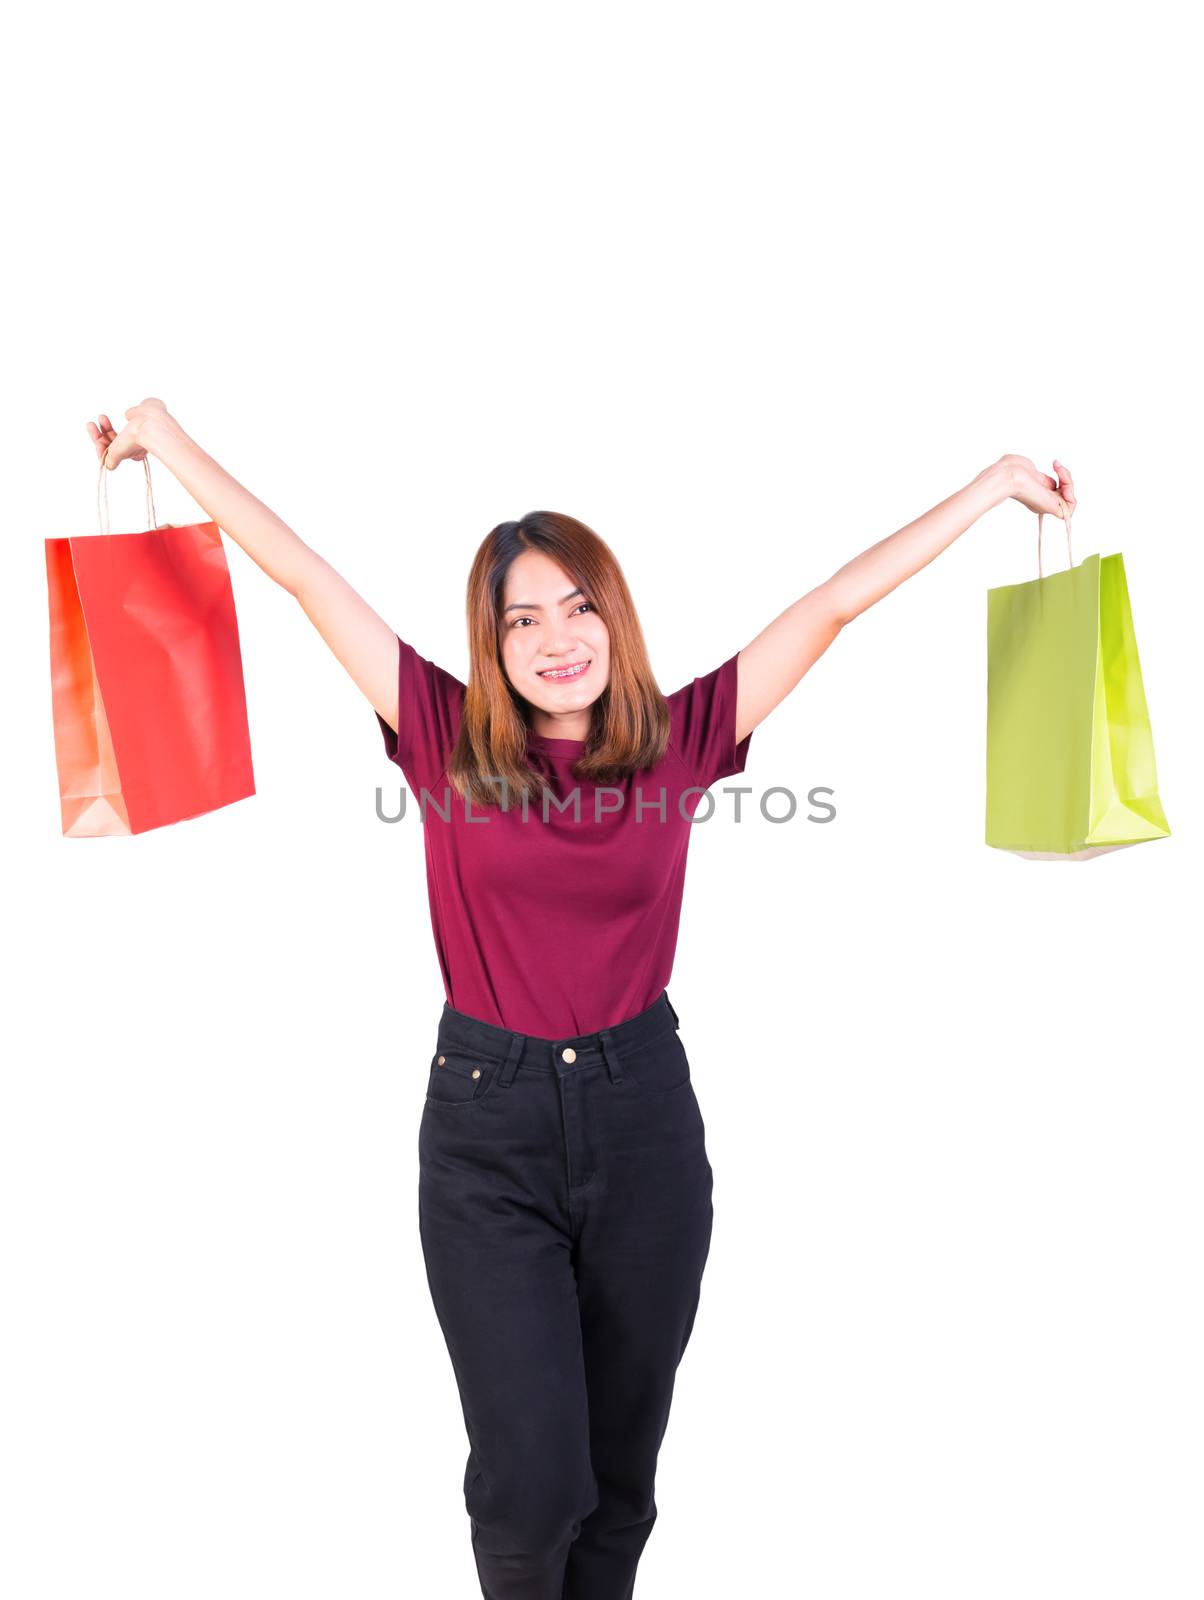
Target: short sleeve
{"points": [[429, 705], [703, 725]]}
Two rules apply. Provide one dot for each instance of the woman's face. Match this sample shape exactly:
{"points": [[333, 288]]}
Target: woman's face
{"points": [[547, 627]]}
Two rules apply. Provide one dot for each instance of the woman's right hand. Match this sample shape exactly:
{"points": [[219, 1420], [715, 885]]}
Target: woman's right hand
{"points": [[129, 445], [1037, 490]]}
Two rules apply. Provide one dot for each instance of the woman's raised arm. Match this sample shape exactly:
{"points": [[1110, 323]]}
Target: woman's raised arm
{"points": [[361, 639], [770, 667]]}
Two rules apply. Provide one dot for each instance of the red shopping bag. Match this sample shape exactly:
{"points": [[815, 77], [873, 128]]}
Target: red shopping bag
{"points": [[150, 714]]}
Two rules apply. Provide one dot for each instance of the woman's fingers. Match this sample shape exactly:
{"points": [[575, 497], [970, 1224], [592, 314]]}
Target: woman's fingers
{"points": [[1045, 489], [1030, 469], [104, 436], [98, 439], [1039, 492], [1065, 482]]}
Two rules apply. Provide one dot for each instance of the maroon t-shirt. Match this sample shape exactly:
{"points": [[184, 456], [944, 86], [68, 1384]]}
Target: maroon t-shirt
{"points": [[559, 927]]}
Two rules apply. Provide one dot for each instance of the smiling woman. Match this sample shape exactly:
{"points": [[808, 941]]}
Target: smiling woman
{"points": [[565, 1189], [566, 633], [596, 864], [594, 842], [556, 651]]}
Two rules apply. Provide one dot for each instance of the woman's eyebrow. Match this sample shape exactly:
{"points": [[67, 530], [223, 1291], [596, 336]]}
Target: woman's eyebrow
{"points": [[531, 605]]}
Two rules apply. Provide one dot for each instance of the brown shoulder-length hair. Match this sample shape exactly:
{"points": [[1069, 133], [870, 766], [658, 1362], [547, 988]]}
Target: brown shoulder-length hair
{"points": [[629, 727]]}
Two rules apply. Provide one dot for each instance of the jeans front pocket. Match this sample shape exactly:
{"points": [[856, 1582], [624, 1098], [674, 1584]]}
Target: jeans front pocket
{"points": [[459, 1078], [659, 1066]]}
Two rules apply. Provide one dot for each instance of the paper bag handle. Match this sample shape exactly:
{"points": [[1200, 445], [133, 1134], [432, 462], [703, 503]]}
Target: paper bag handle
{"points": [[1069, 555], [152, 521]]}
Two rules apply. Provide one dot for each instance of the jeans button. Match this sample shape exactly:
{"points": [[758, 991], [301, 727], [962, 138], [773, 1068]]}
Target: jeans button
{"points": [[570, 1054]]}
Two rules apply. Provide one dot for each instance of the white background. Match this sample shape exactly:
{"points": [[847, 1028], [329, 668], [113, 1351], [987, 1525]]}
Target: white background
{"points": [[746, 289]]}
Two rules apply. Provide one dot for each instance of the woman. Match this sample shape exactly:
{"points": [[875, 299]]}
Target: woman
{"points": [[565, 1191]]}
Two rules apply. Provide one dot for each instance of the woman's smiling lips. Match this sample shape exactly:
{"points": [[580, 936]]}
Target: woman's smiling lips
{"points": [[563, 674]]}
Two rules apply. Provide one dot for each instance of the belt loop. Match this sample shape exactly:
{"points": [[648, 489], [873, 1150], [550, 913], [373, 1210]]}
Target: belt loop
{"points": [[672, 1013], [510, 1067], [610, 1054]]}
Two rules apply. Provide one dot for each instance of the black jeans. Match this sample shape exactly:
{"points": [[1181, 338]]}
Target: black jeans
{"points": [[565, 1215]]}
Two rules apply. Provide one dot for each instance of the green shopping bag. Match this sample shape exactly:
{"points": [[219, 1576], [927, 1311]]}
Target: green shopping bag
{"points": [[1070, 753]]}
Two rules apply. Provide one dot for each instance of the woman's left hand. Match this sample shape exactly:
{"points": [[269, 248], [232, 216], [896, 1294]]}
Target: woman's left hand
{"points": [[130, 444], [1037, 490]]}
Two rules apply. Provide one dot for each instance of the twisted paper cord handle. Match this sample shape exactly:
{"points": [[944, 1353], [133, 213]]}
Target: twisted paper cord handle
{"points": [[152, 520], [1069, 553]]}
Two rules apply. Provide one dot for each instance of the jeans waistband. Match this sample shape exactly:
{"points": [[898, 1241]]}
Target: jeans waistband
{"points": [[459, 1031]]}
